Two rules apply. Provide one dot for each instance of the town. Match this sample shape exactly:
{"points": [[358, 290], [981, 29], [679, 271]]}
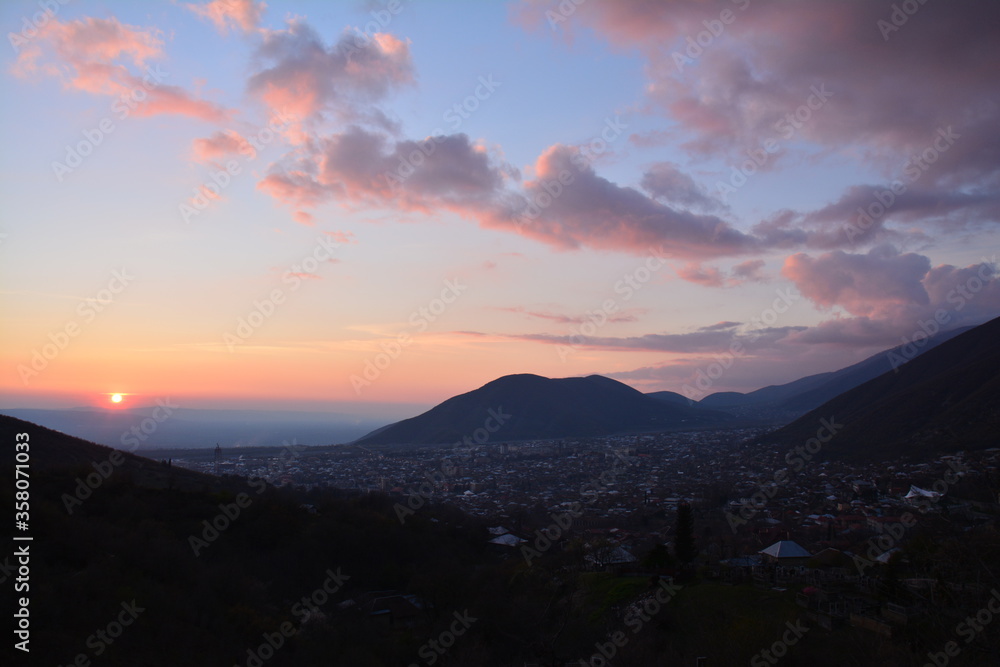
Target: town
{"points": [[848, 535]]}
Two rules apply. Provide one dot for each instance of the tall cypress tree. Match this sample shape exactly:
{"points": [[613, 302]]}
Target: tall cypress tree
{"points": [[684, 541]]}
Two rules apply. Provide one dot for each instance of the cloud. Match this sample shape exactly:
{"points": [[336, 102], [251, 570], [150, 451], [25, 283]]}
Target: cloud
{"points": [[591, 211], [302, 77], [859, 217], [913, 102], [627, 315], [244, 15], [749, 271], [666, 182], [861, 284], [219, 145], [304, 218], [363, 167], [890, 294], [731, 91], [90, 54], [725, 326], [710, 276], [701, 341], [341, 237], [706, 276]]}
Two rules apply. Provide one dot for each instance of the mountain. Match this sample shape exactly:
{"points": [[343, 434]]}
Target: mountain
{"points": [[798, 397], [51, 450], [671, 397], [531, 407], [945, 400]]}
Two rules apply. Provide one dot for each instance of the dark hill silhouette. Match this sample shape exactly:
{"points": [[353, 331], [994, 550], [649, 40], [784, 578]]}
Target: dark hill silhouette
{"points": [[672, 397], [799, 396], [945, 400], [52, 450], [534, 407]]}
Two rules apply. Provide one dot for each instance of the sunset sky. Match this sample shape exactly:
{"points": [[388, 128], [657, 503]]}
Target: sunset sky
{"points": [[307, 205]]}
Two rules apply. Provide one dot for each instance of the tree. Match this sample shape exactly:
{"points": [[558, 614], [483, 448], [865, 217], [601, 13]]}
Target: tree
{"points": [[684, 540]]}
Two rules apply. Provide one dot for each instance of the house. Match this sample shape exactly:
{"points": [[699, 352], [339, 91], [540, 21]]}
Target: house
{"points": [[612, 557], [507, 540], [392, 609], [785, 552]]}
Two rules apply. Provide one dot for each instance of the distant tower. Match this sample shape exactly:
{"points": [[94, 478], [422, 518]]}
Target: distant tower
{"points": [[218, 457]]}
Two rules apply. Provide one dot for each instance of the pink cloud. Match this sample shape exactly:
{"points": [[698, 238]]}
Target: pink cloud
{"points": [[90, 55], [706, 276], [305, 78], [244, 15], [361, 167], [890, 294], [341, 237], [861, 284], [219, 145], [592, 211], [710, 276], [304, 218]]}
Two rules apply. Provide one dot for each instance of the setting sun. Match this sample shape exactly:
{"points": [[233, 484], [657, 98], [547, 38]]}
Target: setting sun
{"points": [[116, 398]]}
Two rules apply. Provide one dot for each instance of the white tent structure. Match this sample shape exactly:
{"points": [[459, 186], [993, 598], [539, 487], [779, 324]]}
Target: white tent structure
{"points": [[916, 493]]}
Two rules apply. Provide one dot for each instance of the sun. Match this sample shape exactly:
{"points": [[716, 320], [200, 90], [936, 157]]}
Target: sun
{"points": [[116, 398]]}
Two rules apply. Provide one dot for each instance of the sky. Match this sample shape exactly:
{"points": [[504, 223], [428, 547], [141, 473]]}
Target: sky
{"points": [[346, 205]]}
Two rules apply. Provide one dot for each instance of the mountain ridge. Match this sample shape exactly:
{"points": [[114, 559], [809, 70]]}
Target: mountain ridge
{"points": [[535, 407], [944, 400]]}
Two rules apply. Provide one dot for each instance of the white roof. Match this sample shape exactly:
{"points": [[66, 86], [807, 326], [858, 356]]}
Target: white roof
{"points": [[507, 540], [785, 549], [917, 492]]}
